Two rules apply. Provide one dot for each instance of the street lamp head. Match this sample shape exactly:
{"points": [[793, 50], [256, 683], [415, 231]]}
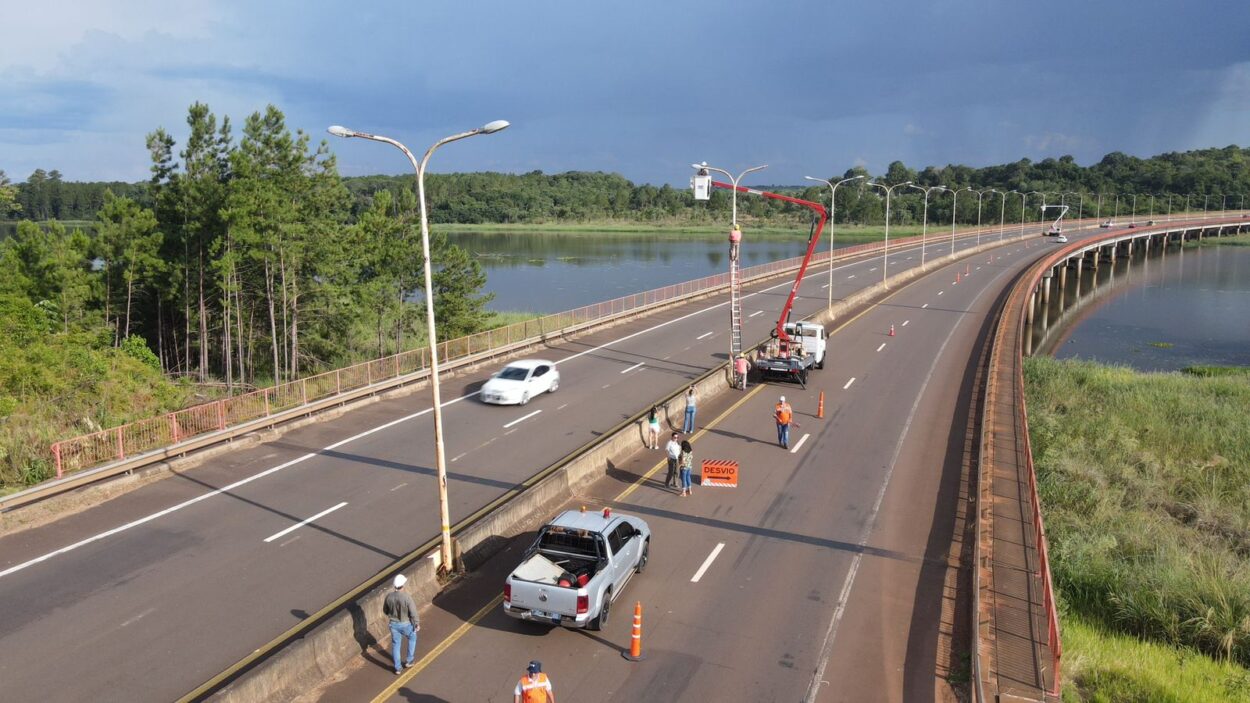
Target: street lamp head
{"points": [[818, 180], [340, 131], [492, 127]]}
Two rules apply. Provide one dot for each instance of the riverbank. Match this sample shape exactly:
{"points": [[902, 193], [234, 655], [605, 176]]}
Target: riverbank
{"points": [[842, 233], [1145, 488]]}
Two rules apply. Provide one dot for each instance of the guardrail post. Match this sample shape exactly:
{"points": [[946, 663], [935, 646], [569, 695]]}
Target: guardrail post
{"points": [[56, 457], [173, 427], [395, 356], [303, 391], [221, 414], [266, 394], [368, 374], [121, 444], [338, 382]]}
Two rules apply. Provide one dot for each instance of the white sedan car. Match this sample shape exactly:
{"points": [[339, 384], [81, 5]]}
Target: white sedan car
{"points": [[521, 380]]}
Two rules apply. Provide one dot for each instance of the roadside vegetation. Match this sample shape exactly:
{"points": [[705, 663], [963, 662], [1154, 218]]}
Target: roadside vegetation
{"points": [[1145, 486]]}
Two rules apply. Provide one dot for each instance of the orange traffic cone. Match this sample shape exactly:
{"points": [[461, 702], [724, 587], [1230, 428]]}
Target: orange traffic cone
{"points": [[635, 638], [891, 330], [820, 406]]}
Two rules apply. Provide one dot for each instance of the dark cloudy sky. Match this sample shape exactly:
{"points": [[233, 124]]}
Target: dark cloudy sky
{"points": [[642, 88]]}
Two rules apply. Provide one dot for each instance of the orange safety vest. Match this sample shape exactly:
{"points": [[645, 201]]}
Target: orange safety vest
{"points": [[783, 413], [534, 691]]}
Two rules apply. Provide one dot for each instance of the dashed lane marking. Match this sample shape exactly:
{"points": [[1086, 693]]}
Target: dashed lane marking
{"points": [[707, 562], [800, 442], [848, 383], [296, 526], [522, 418], [640, 363]]}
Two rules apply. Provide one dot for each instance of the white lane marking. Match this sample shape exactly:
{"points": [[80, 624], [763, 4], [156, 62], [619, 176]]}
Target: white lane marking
{"points": [[707, 562], [909, 258], [298, 525], [941, 292], [396, 488], [827, 648], [848, 383], [924, 306], [824, 286], [519, 419], [978, 268], [563, 406], [850, 277], [881, 347], [640, 363], [761, 312], [874, 268], [705, 334], [905, 323], [800, 442], [360, 435], [606, 385], [138, 617], [458, 456]]}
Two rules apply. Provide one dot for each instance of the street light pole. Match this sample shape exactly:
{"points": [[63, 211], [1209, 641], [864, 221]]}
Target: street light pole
{"points": [[885, 252], [924, 226], [732, 180], [439, 453], [1002, 211], [954, 209], [833, 208], [980, 193], [1098, 212]]}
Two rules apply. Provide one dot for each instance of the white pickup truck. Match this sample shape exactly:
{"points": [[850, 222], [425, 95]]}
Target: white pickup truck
{"points": [[579, 564]]}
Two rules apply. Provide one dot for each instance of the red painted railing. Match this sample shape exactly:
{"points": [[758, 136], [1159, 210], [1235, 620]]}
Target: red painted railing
{"points": [[154, 433]]}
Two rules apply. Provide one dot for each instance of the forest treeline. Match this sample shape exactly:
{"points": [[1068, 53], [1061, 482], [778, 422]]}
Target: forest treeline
{"points": [[1206, 176]]}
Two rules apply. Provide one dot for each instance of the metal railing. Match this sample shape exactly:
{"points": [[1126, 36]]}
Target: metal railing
{"points": [[170, 429]]}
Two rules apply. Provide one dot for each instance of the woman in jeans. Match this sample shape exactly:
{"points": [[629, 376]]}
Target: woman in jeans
{"points": [[686, 463]]}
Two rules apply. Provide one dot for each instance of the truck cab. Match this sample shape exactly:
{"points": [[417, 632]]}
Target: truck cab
{"points": [[807, 338]]}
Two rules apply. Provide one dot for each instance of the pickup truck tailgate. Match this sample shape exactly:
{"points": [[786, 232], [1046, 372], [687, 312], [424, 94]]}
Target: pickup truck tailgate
{"points": [[534, 588]]}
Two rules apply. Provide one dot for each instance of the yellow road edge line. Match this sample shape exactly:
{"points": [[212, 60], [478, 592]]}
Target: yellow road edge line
{"points": [[433, 654], [461, 631]]}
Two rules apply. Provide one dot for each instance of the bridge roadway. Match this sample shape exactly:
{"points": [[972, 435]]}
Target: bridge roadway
{"points": [[827, 575], [147, 595]]}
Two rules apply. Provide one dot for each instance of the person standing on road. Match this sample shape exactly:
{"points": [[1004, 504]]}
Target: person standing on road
{"points": [[402, 612], [673, 450], [784, 415], [534, 687], [686, 463], [740, 369], [653, 429], [688, 428]]}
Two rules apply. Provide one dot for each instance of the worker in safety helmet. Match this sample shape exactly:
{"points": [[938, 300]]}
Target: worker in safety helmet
{"points": [[534, 687], [784, 415]]}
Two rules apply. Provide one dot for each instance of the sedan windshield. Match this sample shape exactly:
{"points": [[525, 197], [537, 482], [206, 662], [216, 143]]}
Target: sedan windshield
{"points": [[514, 373]]}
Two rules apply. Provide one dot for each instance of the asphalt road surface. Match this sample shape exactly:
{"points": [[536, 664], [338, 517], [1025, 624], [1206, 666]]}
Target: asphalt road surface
{"points": [[147, 595]]}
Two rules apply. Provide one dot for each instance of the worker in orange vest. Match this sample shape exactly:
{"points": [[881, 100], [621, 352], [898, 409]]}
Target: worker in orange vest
{"points": [[784, 415], [534, 687]]}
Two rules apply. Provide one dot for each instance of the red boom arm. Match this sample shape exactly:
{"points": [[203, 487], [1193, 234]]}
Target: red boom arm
{"points": [[811, 245]]}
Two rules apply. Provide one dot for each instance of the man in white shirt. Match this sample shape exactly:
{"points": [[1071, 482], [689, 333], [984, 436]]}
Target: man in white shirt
{"points": [[673, 449]]}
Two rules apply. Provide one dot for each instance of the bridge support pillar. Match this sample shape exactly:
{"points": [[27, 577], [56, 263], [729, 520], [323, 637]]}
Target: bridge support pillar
{"points": [[1046, 282], [1063, 283], [1080, 262]]}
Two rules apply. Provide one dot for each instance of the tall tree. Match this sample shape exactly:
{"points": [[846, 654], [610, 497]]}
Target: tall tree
{"points": [[129, 243]]}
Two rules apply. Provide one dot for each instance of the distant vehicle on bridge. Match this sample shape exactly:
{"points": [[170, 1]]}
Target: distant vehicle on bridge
{"points": [[520, 381], [1108, 224], [1062, 239]]}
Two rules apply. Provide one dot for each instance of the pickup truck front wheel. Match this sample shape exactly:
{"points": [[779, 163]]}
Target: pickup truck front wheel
{"points": [[604, 612]]}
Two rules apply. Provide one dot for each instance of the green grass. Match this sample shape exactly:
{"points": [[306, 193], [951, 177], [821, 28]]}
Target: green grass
{"points": [[1101, 666], [1145, 486]]}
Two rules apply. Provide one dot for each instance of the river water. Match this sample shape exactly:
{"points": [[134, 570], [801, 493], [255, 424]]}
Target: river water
{"points": [[555, 272], [1191, 307]]}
